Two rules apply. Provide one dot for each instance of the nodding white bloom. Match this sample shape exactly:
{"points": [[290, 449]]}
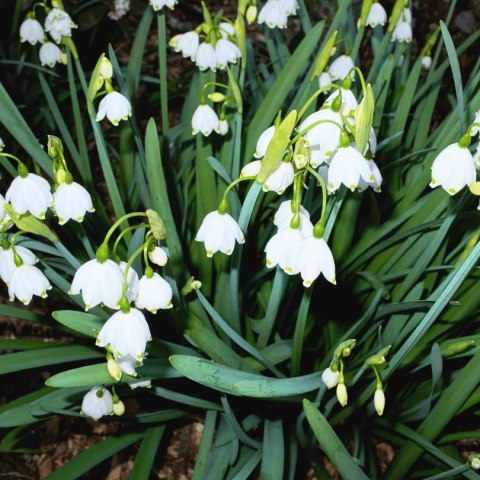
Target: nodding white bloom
{"points": [[158, 4], [115, 107], [348, 165], [402, 32], [453, 169], [290, 6], [376, 184], [27, 281], [251, 169], [219, 232], [127, 333], [330, 378], [7, 261], [158, 256], [187, 43], [120, 9], [340, 67], [31, 31], [264, 141], [474, 130], [226, 29], [324, 79], [140, 384], [97, 403], [226, 52], [376, 16], [406, 16], [128, 364], [379, 401], [99, 282], [222, 127], [279, 180], [311, 258], [206, 57], [132, 282], [154, 293], [30, 194], [273, 14], [427, 62], [279, 245], [284, 216], [59, 24], [71, 201], [205, 120], [49, 54], [2, 145]]}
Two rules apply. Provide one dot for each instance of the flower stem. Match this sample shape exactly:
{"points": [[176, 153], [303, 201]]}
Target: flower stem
{"points": [[319, 227]]}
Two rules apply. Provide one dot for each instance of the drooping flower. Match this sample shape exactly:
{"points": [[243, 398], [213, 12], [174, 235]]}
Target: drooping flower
{"points": [[158, 256], [205, 120], [340, 68], [219, 232], [7, 261], [127, 333], [128, 364], [222, 127], [97, 403], [280, 179], [132, 281], [120, 9], [330, 378], [376, 184], [376, 16], [187, 44], [31, 31], [403, 29], [99, 282], [279, 245], [273, 14], [347, 166], [453, 169], [290, 6], [140, 384], [158, 4], [71, 201], [115, 107], [226, 52], [251, 169], [30, 193], [49, 54], [26, 281], [206, 57], [284, 215], [263, 142], [154, 293], [226, 29], [59, 24]]}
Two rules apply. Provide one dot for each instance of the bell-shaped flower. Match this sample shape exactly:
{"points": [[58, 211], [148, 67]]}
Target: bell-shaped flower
{"points": [[127, 333], [187, 44], [71, 201], [406, 15], [59, 24], [310, 258], [154, 292], [27, 281], [97, 403], [251, 169], [279, 180], [376, 184], [349, 102], [158, 256], [7, 261], [31, 31], [30, 193], [132, 281], [99, 282], [159, 4], [284, 215], [205, 120], [348, 165], [453, 169], [49, 54], [330, 378], [206, 57], [279, 245], [402, 32], [340, 68], [226, 52], [273, 14], [140, 384], [226, 29], [115, 107], [264, 141], [376, 16], [218, 232], [290, 6]]}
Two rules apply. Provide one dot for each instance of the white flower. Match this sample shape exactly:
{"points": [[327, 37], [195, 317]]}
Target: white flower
{"points": [[406, 15], [71, 201], [99, 282], [330, 378], [140, 384], [121, 8], [27, 281], [4, 217], [376, 184], [49, 54], [251, 169], [290, 6], [226, 52], [340, 67], [347, 166], [153, 293], [222, 127], [115, 107], [59, 24], [284, 216], [30, 194], [226, 29], [324, 79], [31, 31], [280, 179], [427, 62], [7, 261], [349, 102], [219, 232], [376, 16], [158, 256], [273, 14], [379, 401], [402, 32], [127, 333], [158, 4], [128, 364], [453, 169], [2, 145], [132, 282], [310, 258], [97, 403], [205, 120], [263, 142], [280, 244], [474, 130], [187, 43], [206, 57]]}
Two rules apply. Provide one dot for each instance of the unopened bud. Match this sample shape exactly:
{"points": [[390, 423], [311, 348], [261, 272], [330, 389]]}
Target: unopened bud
{"points": [[191, 285], [342, 395], [474, 461], [106, 69], [118, 408], [251, 169], [300, 161], [217, 97], [60, 176], [427, 62], [330, 378], [379, 401], [113, 368], [158, 256], [251, 14]]}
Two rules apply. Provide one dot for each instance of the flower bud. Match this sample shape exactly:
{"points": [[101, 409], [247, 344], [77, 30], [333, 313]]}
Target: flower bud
{"points": [[60, 176], [118, 408], [106, 69], [158, 256], [251, 14], [474, 461], [113, 368], [300, 161], [217, 97], [427, 62], [342, 395], [379, 401], [251, 169], [330, 378]]}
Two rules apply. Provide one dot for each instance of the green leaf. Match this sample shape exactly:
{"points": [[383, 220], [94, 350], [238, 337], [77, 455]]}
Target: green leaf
{"points": [[146, 453], [81, 322], [273, 457], [28, 223]]}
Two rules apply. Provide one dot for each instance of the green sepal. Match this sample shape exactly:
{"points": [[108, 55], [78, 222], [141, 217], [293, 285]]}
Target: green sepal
{"points": [[379, 358], [30, 224], [344, 349], [157, 225], [364, 119]]}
